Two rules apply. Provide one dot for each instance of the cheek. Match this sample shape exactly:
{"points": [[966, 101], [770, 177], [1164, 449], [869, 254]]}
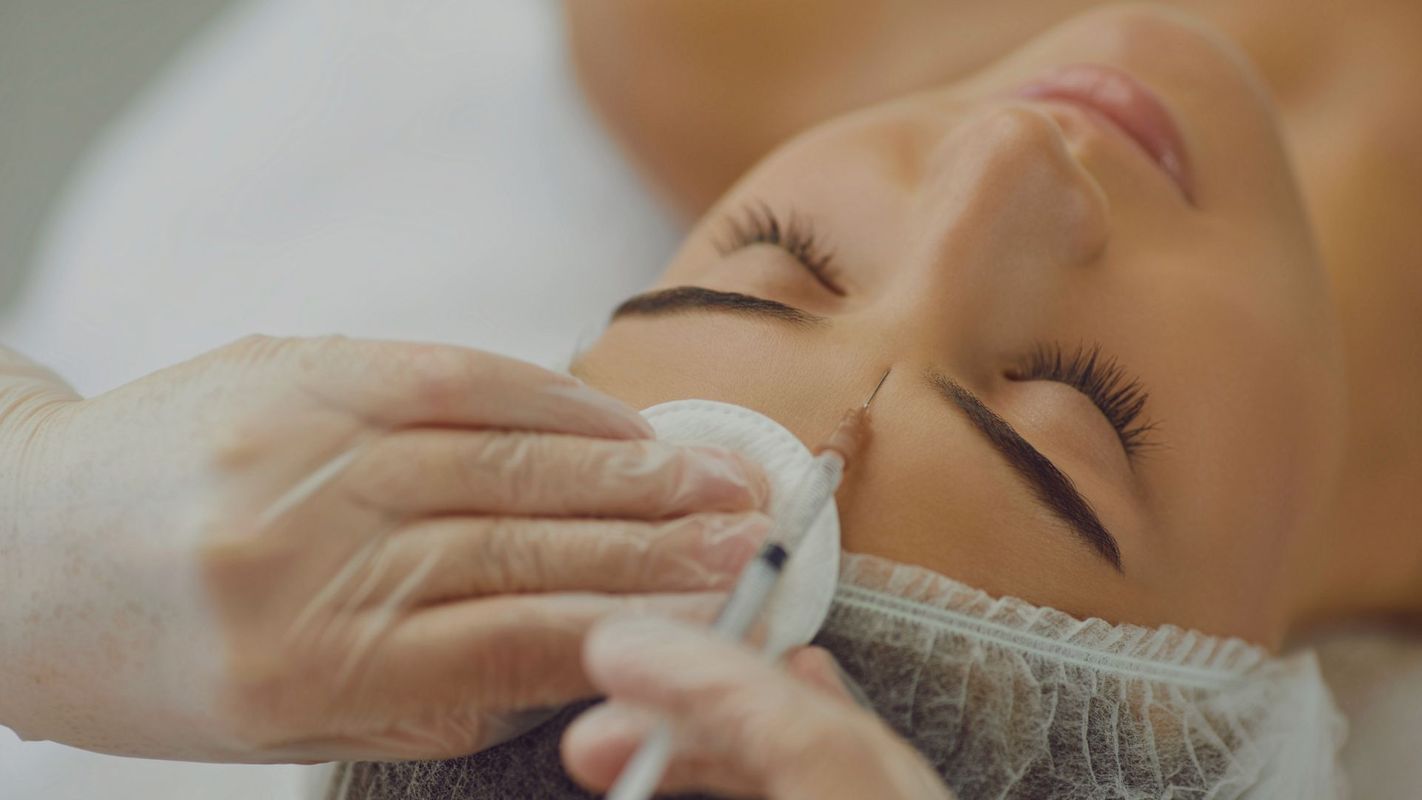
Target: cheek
{"points": [[1260, 445], [1249, 446], [1252, 395]]}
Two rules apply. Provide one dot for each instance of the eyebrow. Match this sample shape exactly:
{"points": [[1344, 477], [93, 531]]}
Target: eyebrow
{"points": [[696, 298], [1052, 487], [1049, 485]]}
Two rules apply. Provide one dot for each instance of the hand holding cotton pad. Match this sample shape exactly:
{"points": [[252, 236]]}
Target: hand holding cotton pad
{"points": [[801, 601]]}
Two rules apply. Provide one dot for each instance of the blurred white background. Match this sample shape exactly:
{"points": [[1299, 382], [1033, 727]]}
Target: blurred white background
{"points": [[67, 67]]}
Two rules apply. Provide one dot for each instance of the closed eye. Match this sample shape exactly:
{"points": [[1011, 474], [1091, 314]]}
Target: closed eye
{"points": [[1120, 397], [758, 224]]}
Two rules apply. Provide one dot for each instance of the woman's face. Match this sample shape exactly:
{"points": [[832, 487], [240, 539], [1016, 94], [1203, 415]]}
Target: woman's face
{"points": [[986, 241]]}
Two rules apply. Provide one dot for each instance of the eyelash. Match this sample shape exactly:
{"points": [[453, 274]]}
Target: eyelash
{"points": [[758, 224], [1120, 397]]}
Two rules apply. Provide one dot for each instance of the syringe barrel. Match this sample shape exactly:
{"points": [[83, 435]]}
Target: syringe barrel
{"points": [[814, 491], [751, 592]]}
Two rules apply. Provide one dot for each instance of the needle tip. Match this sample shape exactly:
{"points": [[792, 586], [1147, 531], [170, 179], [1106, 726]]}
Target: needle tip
{"points": [[877, 387], [853, 427]]}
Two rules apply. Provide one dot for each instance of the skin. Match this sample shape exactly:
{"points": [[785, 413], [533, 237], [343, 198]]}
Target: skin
{"points": [[969, 227]]}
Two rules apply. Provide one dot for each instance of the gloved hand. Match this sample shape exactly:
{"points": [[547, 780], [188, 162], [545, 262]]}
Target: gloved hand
{"points": [[298, 550], [744, 726]]}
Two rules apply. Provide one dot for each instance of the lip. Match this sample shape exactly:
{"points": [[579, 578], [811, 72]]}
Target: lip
{"points": [[1129, 105]]}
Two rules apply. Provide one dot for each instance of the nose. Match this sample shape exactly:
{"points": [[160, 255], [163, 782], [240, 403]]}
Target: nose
{"points": [[1003, 217], [1004, 184]]}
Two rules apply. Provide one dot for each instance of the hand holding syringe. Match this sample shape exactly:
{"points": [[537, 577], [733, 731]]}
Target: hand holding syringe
{"points": [[760, 577]]}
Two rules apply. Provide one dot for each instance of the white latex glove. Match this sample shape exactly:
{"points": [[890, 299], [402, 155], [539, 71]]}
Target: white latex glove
{"points": [[300, 550], [744, 726]]}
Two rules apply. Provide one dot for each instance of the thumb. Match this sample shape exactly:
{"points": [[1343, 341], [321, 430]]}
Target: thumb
{"points": [[742, 725], [818, 668]]}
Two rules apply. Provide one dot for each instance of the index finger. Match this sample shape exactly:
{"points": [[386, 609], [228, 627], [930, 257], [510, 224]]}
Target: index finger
{"points": [[401, 384]]}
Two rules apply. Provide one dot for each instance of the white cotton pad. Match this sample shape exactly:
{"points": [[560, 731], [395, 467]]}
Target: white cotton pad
{"points": [[800, 603]]}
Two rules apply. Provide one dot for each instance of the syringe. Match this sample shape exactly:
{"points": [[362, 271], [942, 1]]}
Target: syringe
{"points": [[815, 490]]}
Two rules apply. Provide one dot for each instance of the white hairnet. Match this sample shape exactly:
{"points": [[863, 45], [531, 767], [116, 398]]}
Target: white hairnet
{"points": [[1009, 700]]}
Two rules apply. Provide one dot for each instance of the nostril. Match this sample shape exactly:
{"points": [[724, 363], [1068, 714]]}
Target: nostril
{"points": [[1027, 182], [1077, 213], [1089, 215]]}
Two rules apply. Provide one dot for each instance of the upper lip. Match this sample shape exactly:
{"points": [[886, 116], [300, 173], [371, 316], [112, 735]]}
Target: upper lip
{"points": [[1129, 105]]}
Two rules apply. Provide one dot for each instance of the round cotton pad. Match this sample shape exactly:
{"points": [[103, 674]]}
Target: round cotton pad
{"points": [[800, 603]]}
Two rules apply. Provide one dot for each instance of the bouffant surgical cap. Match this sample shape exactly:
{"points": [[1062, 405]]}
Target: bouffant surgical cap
{"points": [[1008, 699]]}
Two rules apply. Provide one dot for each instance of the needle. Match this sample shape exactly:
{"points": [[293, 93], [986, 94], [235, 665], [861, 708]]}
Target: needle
{"points": [[877, 387], [852, 429]]}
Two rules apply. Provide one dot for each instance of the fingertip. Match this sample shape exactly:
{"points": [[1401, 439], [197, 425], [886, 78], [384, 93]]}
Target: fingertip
{"points": [[757, 482], [618, 420], [725, 480], [819, 668], [728, 542], [813, 664], [599, 743]]}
